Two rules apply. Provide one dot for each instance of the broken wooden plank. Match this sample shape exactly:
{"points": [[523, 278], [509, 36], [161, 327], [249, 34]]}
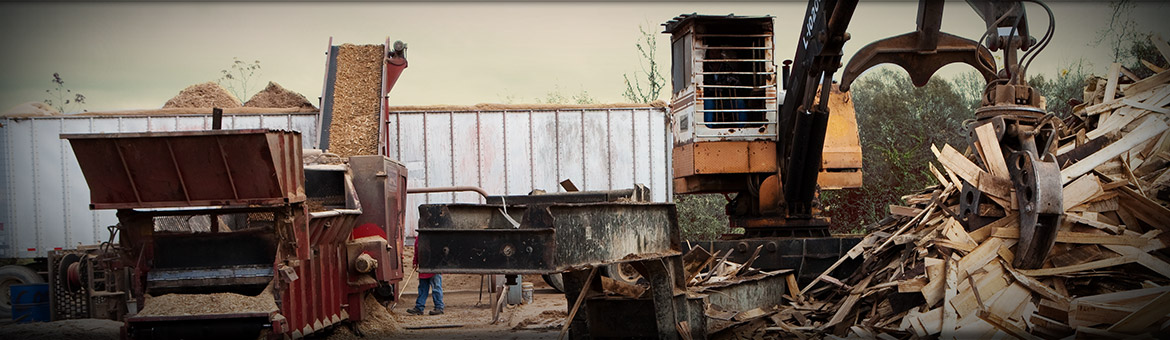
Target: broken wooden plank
{"points": [[1111, 83], [1081, 190], [1143, 258], [1039, 288], [1137, 321], [950, 317], [989, 143], [1148, 130], [968, 171], [1005, 326], [1110, 262], [1148, 83], [898, 210]]}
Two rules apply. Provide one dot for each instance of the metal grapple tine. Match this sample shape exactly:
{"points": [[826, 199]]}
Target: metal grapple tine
{"points": [[905, 51]]}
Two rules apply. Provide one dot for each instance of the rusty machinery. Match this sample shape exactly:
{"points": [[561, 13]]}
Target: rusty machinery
{"points": [[575, 233], [314, 238], [732, 139]]}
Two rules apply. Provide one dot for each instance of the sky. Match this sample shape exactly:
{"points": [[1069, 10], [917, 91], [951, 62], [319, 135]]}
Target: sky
{"points": [[134, 55]]}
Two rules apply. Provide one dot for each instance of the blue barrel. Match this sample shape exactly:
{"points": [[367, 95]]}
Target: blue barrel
{"points": [[30, 302]]}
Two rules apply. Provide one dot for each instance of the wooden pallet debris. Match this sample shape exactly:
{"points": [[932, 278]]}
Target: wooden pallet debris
{"points": [[924, 275]]}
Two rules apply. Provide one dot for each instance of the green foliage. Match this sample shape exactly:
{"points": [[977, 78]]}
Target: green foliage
{"points": [[1068, 84], [635, 92], [240, 78], [898, 123], [701, 217], [1143, 49], [61, 97]]}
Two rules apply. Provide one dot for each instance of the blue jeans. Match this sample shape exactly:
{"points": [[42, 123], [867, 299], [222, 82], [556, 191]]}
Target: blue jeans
{"points": [[432, 285]]}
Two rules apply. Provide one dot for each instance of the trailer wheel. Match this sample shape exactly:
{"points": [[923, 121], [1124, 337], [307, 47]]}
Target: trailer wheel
{"points": [[623, 272], [555, 281], [14, 275]]}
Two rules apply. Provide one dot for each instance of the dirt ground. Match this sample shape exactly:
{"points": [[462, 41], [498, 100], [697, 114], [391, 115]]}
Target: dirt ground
{"points": [[66, 329], [467, 316]]}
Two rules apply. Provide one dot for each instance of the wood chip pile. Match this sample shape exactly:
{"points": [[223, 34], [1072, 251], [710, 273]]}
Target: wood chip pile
{"points": [[924, 275], [202, 304], [207, 94], [277, 96], [356, 96]]}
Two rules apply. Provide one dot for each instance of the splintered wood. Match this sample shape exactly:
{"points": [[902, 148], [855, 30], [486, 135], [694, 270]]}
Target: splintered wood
{"points": [[924, 274], [204, 304], [356, 96]]}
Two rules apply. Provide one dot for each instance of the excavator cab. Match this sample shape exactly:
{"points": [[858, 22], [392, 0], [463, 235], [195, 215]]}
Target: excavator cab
{"points": [[724, 108]]}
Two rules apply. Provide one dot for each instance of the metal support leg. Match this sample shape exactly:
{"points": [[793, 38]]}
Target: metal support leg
{"points": [[574, 282], [668, 309]]}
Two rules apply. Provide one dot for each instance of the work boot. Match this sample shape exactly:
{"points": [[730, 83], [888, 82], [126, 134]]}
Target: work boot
{"points": [[414, 311], [436, 312]]}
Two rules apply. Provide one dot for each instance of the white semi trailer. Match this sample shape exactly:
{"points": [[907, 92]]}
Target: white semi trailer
{"points": [[44, 200]]}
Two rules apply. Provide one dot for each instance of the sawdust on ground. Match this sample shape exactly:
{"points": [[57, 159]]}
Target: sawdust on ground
{"points": [[356, 97], [277, 96], [207, 94]]}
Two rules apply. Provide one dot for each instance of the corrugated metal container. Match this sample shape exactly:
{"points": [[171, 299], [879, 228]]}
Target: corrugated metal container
{"points": [[44, 201], [513, 151]]}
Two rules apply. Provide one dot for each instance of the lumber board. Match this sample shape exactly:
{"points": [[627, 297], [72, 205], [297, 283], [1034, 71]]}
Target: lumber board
{"points": [[1005, 326], [1076, 218], [1161, 46], [989, 144], [987, 284], [967, 170], [1137, 321], [1102, 239], [1110, 262], [981, 256], [1148, 83], [898, 210], [936, 276], [1150, 129], [846, 306], [1144, 209], [1038, 287], [1153, 67], [950, 317], [1111, 83], [1143, 258], [1081, 190]]}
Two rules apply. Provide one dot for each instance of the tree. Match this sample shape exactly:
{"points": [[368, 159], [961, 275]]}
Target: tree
{"points": [[62, 98], [238, 78], [1068, 84], [897, 123], [635, 91], [1129, 45]]}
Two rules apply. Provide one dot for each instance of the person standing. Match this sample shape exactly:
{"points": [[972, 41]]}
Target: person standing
{"points": [[427, 283]]}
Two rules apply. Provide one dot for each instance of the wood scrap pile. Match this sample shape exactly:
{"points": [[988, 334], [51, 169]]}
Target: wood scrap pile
{"points": [[207, 94], [925, 275], [277, 96], [357, 94]]}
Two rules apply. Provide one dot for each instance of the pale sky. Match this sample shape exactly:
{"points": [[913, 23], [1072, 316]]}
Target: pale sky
{"points": [[137, 55]]}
